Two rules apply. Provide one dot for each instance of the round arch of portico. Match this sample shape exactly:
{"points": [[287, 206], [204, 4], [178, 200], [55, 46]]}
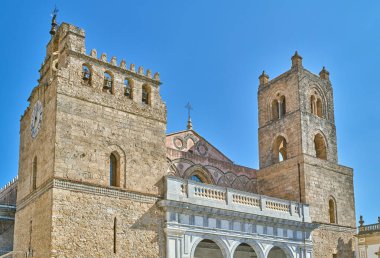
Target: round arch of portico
{"points": [[287, 250], [255, 246], [219, 242]]}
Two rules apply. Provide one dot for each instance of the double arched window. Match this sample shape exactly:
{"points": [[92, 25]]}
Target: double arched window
{"points": [[108, 83], [316, 105], [278, 107], [280, 149]]}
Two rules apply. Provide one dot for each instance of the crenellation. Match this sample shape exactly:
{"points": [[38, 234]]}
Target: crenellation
{"points": [[141, 70]]}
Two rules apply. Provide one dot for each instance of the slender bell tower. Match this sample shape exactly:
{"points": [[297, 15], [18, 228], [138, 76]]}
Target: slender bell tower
{"points": [[298, 154]]}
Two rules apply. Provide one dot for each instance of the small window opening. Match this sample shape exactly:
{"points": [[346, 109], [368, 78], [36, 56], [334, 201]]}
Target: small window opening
{"points": [[34, 174], [316, 106], [275, 109], [319, 107], [114, 235], [86, 74], [332, 211], [107, 85], [282, 106], [145, 95], [127, 88], [114, 166]]}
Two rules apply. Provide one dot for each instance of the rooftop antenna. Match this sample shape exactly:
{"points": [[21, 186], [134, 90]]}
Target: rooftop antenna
{"points": [[189, 123], [54, 21]]}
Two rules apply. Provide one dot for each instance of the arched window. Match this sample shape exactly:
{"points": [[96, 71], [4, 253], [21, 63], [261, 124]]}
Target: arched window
{"points": [[128, 91], [86, 74], [196, 178], [278, 107], [319, 107], [282, 106], [107, 84], [280, 149], [114, 170], [145, 95], [320, 147], [316, 105], [275, 109], [34, 174], [332, 211]]}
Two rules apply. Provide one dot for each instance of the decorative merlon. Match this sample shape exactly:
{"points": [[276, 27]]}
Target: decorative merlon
{"points": [[296, 60], [324, 74], [263, 78]]}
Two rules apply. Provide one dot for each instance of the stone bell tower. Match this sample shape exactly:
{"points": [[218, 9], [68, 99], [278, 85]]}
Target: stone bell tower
{"points": [[92, 156], [298, 154]]}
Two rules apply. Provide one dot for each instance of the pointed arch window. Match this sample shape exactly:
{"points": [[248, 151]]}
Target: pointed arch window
{"points": [[145, 94], [107, 83], [114, 170], [278, 107], [34, 174], [320, 147], [332, 211], [86, 74], [275, 109], [128, 91], [280, 149], [282, 106], [316, 105]]}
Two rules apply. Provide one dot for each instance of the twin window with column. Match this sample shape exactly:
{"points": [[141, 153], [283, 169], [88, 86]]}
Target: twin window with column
{"points": [[278, 107]]}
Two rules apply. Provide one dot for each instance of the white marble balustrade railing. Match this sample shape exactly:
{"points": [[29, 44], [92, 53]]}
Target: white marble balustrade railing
{"points": [[188, 191]]}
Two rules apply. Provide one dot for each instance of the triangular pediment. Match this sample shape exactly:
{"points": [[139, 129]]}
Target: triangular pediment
{"points": [[191, 141]]}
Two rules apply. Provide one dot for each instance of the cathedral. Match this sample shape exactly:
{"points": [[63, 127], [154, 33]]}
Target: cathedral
{"points": [[100, 177]]}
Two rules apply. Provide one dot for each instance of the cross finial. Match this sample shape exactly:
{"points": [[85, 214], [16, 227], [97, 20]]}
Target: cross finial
{"points": [[189, 123], [54, 21]]}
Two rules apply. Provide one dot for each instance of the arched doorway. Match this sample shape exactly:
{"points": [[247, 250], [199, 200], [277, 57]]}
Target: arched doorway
{"points": [[244, 251], [207, 249], [276, 252]]}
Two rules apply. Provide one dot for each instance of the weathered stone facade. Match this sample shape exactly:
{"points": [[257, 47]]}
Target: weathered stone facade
{"points": [[99, 177], [305, 138]]}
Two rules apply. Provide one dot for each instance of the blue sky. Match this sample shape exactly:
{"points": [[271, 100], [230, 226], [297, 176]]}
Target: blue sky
{"points": [[211, 53]]}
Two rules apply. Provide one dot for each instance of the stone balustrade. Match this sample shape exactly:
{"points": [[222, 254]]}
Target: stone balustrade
{"points": [[369, 228], [188, 191]]}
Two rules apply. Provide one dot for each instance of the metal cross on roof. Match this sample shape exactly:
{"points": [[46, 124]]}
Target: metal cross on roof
{"points": [[189, 108], [55, 11]]}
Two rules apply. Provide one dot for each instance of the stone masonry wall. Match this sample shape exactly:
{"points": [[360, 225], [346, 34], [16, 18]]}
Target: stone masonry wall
{"points": [[92, 124], [289, 126], [89, 230], [33, 226], [42, 146], [6, 236], [281, 180], [324, 180], [329, 240]]}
